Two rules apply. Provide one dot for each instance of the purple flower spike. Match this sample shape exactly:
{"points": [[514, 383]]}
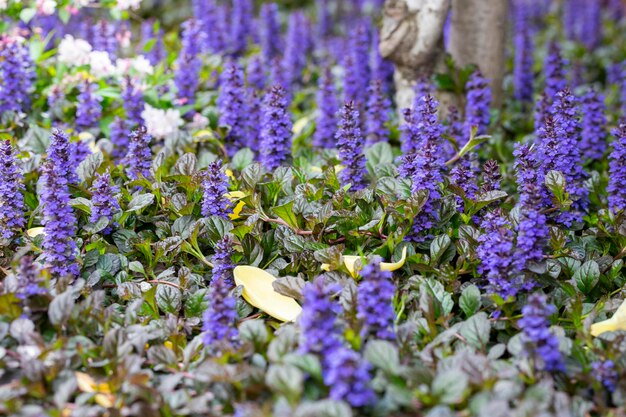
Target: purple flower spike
{"points": [[593, 139], [605, 373], [189, 64], [320, 331], [119, 134], [374, 301], [60, 154], [276, 129], [215, 187], [255, 73], [350, 143], [59, 222], [16, 75], [104, 203], [132, 99], [327, 107], [347, 376], [523, 64], [240, 25], [378, 108], [495, 251], [617, 170], [11, 198], [89, 109], [478, 102], [541, 344], [233, 108], [270, 31], [297, 47], [139, 157], [555, 71], [222, 261]]}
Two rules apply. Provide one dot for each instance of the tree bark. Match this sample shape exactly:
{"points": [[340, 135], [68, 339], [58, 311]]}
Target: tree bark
{"points": [[478, 36]]}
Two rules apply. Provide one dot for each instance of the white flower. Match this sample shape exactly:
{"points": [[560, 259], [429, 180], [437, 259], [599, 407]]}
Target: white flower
{"points": [[74, 51], [101, 65], [46, 7], [128, 4], [142, 66], [161, 123], [4, 4]]}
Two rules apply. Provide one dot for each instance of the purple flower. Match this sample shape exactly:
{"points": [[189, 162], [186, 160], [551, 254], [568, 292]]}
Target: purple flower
{"points": [[605, 373], [478, 102], [119, 137], [233, 108], [11, 198], [532, 229], [495, 251], [324, 18], [138, 160], [347, 375], [617, 170], [157, 52], [60, 154], [270, 31], [255, 73], [554, 67], [104, 38], [29, 279], [240, 25], [88, 108], [212, 21], [222, 261], [59, 222], [541, 344], [327, 107], [320, 330], [278, 76], [591, 24], [463, 177], [491, 177], [220, 317], [350, 144], [297, 47], [421, 123], [593, 138], [104, 203], [374, 301], [275, 129], [189, 64], [215, 187], [571, 23], [454, 128], [382, 69], [132, 99], [16, 75], [378, 108], [523, 62], [356, 69]]}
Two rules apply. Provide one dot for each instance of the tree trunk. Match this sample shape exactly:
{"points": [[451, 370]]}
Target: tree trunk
{"points": [[412, 38], [478, 36]]}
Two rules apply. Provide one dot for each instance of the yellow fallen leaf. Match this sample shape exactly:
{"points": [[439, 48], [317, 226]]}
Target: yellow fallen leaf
{"points": [[350, 263], [87, 384], [104, 400], [232, 196], [35, 231], [258, 291], [617, 322]]}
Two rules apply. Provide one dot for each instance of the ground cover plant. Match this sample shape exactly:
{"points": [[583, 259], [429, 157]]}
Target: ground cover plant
{"points": [[230, 216]]}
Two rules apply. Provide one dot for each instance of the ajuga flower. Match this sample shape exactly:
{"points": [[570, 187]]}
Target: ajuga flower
{"points": [[118, 133], [104, 37], [276, 129], [605, 373], [255, 73], [617, 170], [491, 176], [541, 344], [381, 69], [478, 102], [222, 261], [350, 143], [355, 64], [324, 18], [88, 109], [189, 64], [104, 202], [463, 177], [532, 229], [215, 186], [132, 99], [454, 128], [347, 376], [220, 317], [240, 25], [278, 76], [29, 279], [320, 330], [233, 107], [554, 67], [327, 107], [378, 107], [571, 22], [16, 75], [593, 142], [421, 123], [11, 198], [374, 301], [523, 64], [270, 31], [139, 157], [59, 222], [495, 251], [255, 114], [157, 53], [60, 155], [591, 24], [297, 47]]}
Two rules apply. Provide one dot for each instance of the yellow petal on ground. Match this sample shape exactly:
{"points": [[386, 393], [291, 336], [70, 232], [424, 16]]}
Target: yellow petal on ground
{"points": [[617, 322], [104, 400], [35, 231], [232, 196], [85, 382], [350, 263], [258, 291]]}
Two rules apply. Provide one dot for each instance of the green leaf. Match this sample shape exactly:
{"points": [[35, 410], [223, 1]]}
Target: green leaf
{"points": [[168, 298], [378, 154], [252, 174], [286, 380], [27, 14], [81, 204], [216, 227], [587, 276], [384, 355], [476, 330], [555, 181], [242, 159], [60, 308], [140, 201], [438, 247], [186, 164], [450, 386], [470, 300], [285, 212]]}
